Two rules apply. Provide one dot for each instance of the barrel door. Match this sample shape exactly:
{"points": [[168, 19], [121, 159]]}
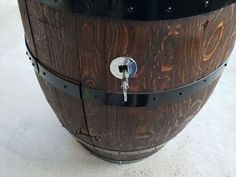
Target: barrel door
{"points": [[124, 85]]}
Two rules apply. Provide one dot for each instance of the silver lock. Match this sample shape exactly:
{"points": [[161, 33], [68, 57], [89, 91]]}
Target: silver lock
{"points": [[124, 68]]}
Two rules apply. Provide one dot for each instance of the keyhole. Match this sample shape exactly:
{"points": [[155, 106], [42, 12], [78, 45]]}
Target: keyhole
{"points": [[123, 68]]}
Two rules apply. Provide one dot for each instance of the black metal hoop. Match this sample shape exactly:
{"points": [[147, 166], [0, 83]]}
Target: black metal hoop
{"points": [[115, 98], [139, 9]]}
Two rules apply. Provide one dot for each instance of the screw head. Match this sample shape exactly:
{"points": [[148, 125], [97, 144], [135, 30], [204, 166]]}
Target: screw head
{"points": [[90, 5], [169, 10], [130, 9], [155, 98], [98, 138], [206, 3]]}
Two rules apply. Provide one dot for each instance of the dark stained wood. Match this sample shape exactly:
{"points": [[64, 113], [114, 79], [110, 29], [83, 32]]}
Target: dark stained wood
{"points": [[27, 26], [186, 40], [169, 54], [59, 102], [72, 119], [183, 55], [134, 128]]}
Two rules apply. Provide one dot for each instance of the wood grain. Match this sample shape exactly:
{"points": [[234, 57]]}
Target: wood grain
{"points": [[59, 102], [169, 54], [27, 26]]}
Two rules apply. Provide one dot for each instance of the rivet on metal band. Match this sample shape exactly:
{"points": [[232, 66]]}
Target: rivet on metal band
{"points": [[138, 9], [117, 99]]}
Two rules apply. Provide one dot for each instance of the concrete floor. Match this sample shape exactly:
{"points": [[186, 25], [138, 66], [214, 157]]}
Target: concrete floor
{"points": [[33, 143]]}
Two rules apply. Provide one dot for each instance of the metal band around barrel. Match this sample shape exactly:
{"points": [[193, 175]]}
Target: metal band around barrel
{"points": [[139, 9], [115, 98]]}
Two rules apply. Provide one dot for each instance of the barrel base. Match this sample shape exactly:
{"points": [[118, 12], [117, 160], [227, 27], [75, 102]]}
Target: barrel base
{"points": [[120, 162], [119, 158]]}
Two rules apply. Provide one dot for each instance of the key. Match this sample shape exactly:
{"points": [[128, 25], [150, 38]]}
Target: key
{"points": [[125, 81], [124, 68], [125, 85]]}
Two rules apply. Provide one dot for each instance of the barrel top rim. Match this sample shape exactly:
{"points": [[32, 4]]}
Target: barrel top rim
{"points": [[138, 9]]}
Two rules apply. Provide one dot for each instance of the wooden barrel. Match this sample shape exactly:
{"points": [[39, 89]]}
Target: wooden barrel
{"points": [[180, 49]]}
